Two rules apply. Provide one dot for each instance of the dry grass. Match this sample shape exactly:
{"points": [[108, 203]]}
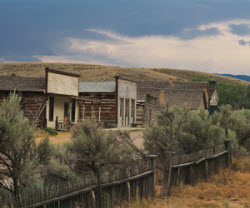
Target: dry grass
{"points": [[101, 72], [231, 185], [61, 138]]}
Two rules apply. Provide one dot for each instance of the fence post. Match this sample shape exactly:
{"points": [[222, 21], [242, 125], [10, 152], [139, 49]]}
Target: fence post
{"points": [[153, 166], [56, 123], [128, 191], [92, 200], [206, 170], [229, 151], [169, 156], [99, 185]]}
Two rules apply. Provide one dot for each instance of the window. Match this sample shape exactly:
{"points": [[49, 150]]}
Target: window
{"points": [[51, 108], [73, 110], [133, 110], [121, 107], [22, 104]]}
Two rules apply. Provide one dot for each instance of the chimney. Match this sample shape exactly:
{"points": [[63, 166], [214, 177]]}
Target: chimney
{"points": [[138, 79], [171, 81], [212, 84]]}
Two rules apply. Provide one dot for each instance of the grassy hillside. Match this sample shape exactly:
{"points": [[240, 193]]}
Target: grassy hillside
{"points": [[100, 72]]}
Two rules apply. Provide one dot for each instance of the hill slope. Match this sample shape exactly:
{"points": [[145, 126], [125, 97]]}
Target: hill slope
{"points": [[101, 72]]}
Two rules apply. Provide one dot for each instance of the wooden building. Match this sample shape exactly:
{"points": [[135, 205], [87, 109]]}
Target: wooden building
{"points": [[112, 103], [50, 101], [59, 100], [62, 92], [32, 90], [194, 94]]}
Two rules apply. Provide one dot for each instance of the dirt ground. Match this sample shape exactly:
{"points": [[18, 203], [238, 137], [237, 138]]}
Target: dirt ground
{"points": [[63, 137]]}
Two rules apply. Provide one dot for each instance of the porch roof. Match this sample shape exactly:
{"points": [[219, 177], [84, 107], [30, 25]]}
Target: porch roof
{"points": [[106, 86]]}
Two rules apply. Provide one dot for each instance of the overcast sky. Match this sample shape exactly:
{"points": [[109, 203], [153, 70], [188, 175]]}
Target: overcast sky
{"points": [[204, 35]]}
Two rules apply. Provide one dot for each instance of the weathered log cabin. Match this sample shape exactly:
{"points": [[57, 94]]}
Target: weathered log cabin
{"points": [[153, 96], [32, 91], [49, 101], [112, 103]]}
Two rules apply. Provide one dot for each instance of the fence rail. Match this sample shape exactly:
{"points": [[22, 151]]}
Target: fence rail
{"points": [[191, 168], [133, 182]]}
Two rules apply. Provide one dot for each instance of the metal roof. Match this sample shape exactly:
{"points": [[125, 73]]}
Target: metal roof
{"points": [[107, 86]]}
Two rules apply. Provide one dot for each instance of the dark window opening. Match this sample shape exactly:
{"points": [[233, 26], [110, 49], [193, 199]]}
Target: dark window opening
{"points": [[51, 108], [73, 110], [22, 105]]}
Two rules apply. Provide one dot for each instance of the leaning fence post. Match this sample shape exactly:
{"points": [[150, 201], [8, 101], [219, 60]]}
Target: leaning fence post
{"points": [[92, 200], [153, 166], [229, 151], [128, 191], [169, 156]]}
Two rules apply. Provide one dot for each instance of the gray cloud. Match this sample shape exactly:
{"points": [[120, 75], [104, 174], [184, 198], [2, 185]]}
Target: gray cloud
{"points": [[194, 33], [241, 29], [244, 42]]}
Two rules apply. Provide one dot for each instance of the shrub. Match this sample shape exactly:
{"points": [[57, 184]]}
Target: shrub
{"points": [[51, 131]]}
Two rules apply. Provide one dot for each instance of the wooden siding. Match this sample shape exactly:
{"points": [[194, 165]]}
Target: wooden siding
{"points": [[62, 84], [106, 102], [32, 102]]}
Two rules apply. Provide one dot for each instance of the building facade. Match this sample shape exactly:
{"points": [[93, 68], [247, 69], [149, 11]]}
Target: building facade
{"points": [[196, 95], [112, 103]]}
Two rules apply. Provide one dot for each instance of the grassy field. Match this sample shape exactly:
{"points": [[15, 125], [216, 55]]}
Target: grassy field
{"points": [[230, 186], [101, 72]]}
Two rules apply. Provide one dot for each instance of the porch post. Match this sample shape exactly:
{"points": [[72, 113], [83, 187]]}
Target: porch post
{"points": [[124, 112]]}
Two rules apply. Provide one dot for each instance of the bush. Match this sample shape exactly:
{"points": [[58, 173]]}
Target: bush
{"points": [[51, 131]]}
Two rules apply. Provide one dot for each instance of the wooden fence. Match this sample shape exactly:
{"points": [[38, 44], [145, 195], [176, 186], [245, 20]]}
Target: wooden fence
{"points": [[191, 168], [134, 182], [131, 183]]}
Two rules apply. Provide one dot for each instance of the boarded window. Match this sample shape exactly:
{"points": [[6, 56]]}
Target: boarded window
{"points": [[73, 110], [51, 108]]}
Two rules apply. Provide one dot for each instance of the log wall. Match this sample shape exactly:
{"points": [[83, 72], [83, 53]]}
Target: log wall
{"points": [[31, 103], [100, 106]]}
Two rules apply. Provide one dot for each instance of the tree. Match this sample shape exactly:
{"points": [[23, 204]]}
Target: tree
{"points": [[20, 157], [165, 134], [200, 133], [242, 127], [96, 150], [236, 126]]}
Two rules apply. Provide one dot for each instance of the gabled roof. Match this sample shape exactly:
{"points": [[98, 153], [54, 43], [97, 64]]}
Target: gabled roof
{"points": [[192, 98], [178, 93], [106, 86], [32, 84], [176, 85]]}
